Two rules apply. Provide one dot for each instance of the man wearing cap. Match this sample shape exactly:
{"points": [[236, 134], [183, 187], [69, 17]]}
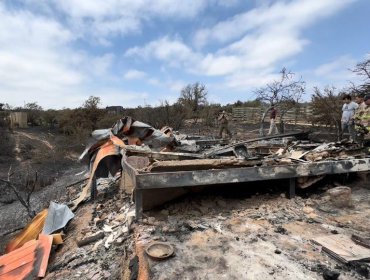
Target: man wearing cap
{"points": [[362, 122], [224, 124]]}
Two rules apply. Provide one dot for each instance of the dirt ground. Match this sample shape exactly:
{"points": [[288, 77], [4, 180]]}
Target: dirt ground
{"points": [[259, 236]]}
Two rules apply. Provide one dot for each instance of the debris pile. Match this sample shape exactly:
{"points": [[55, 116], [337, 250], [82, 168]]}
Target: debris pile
{"points": [[28, 253], [99, 241], [258, 237], [134, 166]]}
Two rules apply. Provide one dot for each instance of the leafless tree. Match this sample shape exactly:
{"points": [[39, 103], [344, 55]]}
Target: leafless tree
{"points": [[284, 93], [24, 196], [327, 108], [362, 69]]}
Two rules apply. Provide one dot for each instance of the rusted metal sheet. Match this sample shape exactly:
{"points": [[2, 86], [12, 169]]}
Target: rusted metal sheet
{"points": [[30, 232], [27, 262], [133, 131], [108, 149]]}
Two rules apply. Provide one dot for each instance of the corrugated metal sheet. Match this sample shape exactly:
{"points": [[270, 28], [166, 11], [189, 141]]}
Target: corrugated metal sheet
{"points": [[107, 149]]}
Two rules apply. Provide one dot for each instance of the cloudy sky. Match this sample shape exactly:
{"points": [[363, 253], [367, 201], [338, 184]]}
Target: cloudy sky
{"points": [[141, 52]]}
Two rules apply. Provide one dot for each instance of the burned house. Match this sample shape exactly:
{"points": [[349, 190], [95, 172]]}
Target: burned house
{"points": [[161, 165], [114, 110]]}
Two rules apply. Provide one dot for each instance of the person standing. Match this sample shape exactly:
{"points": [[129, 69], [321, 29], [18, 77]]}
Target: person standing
{"points": [[273, 128], [224, 124], [361, 106], [348, 112], [360, 101], [362, 123]]}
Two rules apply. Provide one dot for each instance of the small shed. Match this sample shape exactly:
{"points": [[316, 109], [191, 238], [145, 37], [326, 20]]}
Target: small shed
{"points": [[18, 119]]}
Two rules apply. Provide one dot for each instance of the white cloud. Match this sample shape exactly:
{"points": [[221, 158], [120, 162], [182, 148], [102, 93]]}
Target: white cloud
{"points": [[256, 41], [38, 62], [134, 74], [99, 65], [284, 15], [338, 69], [174, 52], [101, 19], [113, 97], [44, 57], [154, 82], [333, 73], [176, 86], [34, 55]]}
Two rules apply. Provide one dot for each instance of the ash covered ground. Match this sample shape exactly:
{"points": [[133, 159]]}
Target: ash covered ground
{"points": [[232, 232]]}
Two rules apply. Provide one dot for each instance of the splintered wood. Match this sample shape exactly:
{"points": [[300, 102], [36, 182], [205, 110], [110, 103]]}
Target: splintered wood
{"points": [[342, 248]]}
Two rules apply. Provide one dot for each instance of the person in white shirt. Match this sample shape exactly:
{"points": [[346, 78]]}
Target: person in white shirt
{"points": [[348, 111]]}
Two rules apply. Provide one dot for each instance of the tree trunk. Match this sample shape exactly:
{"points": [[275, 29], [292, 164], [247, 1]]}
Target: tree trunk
{"points": [[262, 132], [281, 124]]}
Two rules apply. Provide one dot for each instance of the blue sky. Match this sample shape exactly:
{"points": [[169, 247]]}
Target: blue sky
{"points": [[142, 52]]}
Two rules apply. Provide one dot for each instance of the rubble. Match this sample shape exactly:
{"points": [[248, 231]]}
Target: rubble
{"points": [[134, 167], [267, 234]]}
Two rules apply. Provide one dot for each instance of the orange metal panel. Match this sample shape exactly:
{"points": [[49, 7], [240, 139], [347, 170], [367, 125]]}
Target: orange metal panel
{"points": [[45, 243], [116, 141], [17, 258], [30, 232], [28, 262], [107, 149]]}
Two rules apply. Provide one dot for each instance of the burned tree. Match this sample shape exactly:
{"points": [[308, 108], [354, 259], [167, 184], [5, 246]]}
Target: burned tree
{"points": [[23, 191], [362, 69], [193, 98], [92, 111], [284, 93], [33, 113], [327, 108]]}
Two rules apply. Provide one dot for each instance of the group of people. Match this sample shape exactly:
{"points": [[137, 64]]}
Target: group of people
{"points": [[223, 120], [356, 117]]}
